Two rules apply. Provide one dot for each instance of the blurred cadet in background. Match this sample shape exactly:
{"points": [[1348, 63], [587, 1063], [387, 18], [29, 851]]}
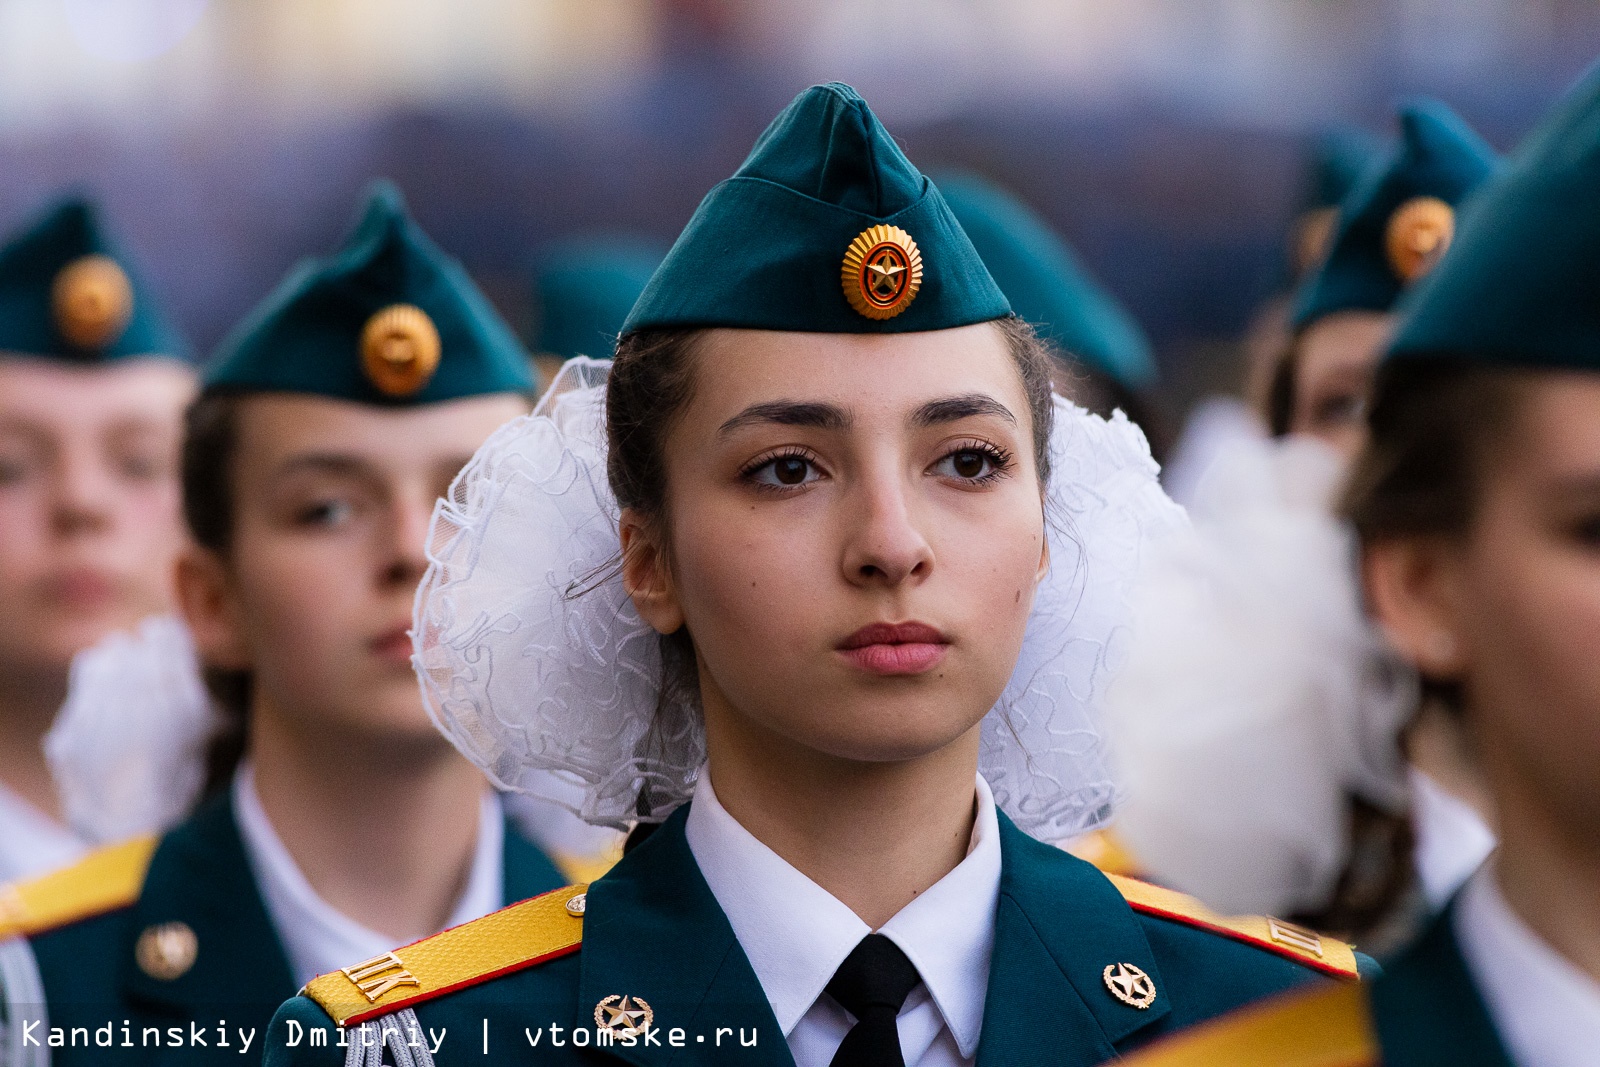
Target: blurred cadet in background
{"points": [[822, 394], [583, 290], [1340, 159], [1393, 227], [1475, 506], [93, 383], [339, 821], [1104, 359]]}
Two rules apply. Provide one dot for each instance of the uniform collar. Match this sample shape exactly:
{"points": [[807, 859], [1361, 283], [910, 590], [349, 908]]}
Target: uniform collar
{"points": [[1059, 925], [652, 930], [317, 937], [796, 934], [199, 877], [1546, 1009], [1427, 1009]]}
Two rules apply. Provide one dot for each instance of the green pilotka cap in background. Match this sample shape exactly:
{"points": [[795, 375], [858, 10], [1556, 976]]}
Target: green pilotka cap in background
{"points": [[387, 319], [825, 228], [1520, 286], [68, 293], [584, 289], [1045, 284], [1341, 157], [1398, 220]]}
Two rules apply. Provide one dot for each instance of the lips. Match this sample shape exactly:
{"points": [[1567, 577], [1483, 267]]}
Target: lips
{"points": [[895, 648], [393, 646]]}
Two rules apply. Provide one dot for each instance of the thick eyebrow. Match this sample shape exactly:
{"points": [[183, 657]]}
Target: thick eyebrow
{"points": [[332, 463], [789, 413], [965, 406]]}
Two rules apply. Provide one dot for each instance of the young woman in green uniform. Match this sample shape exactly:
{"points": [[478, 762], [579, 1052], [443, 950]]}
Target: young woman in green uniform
{"points": [[1476, 507], [819, 577], [93, 383], [339, 821]]}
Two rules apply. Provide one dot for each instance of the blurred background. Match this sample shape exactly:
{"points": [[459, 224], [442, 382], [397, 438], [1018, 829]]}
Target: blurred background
{"points": [[1167, 139]]}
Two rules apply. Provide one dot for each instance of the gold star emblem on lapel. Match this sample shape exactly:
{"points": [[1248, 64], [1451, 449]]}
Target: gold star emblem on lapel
{"points": [[624, 1016], [1130, 985]]}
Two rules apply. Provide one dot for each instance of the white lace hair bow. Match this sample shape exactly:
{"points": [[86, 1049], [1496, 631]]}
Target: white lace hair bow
{"points": [[127, 749], [1257, 695], [534, 663]]}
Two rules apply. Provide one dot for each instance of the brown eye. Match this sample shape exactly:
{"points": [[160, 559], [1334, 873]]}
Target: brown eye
{"points": [[969, 464], [790, 470]]}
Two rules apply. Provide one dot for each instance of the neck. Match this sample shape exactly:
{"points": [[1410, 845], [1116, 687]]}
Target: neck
{"points": [[385, 833], [29, 701], [1548, 876], [874, 835]]}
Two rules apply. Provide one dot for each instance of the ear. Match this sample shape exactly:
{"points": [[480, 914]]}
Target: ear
{"points": [[1412, 585], [646, 576], [206, 598], [1044, 559]]}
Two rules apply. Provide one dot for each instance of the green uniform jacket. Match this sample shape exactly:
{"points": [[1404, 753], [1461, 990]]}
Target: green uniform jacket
{"points": [[199, 876], [653, 930], [1426, 1009]]}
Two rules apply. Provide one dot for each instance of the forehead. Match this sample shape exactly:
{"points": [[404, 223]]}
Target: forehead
{"points": [[52, 395], [867, 373], [276, 428], [1345, 340], [1557, 432]]}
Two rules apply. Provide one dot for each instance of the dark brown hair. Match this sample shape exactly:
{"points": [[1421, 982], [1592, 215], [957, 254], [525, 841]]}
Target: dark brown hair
{"points": [[210, 444], [1434, 424]]}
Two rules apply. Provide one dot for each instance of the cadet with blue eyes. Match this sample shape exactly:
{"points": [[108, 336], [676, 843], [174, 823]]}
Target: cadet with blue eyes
{"points": [[818, 577], [340, 821]]}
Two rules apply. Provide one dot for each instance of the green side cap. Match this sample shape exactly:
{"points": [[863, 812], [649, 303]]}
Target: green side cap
{"points": [[585, 288], [766, 248], [69, 293], [1519, 286], [312, 334], [1439, 156], [1046, 284]]}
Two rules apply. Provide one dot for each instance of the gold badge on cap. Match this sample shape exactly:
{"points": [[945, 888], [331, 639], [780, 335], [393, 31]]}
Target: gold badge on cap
{"points": [[92, 300], [624, 1016], [1419, 233], [166, 951], [1130, 985], [400, 349], [882, 272]]}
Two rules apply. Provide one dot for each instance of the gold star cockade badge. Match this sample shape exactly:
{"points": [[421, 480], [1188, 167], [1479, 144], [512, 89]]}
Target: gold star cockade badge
{"points": [[92, 300], [1419, 232], [882, 272], [400, 349], [1130, 985], [624, 1016], [166, 951]]}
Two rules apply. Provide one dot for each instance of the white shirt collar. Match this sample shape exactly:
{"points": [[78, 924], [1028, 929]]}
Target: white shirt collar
{"points": [[31, 842], [1546, 1010], [796, 934], [316, 937]]}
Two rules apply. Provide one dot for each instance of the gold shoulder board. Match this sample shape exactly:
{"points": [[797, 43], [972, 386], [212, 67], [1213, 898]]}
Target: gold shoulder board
{"points": [[1296, 942], [104, 880], [1329, 1026], [537, 929], [1105, 850]]}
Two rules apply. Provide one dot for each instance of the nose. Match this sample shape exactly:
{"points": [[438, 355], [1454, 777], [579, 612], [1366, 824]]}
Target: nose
{"points": [[407, 540], [885, 546], [84, 490]]}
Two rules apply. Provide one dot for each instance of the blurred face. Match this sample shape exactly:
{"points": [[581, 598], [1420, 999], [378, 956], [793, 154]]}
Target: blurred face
{"points": [[854, 534], [1513, 611], [89, 503], [1334, 364], [332, 504]]}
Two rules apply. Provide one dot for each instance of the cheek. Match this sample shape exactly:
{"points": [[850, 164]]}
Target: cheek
{"points": [[294, 601], [1534, 621], [24, 531]]}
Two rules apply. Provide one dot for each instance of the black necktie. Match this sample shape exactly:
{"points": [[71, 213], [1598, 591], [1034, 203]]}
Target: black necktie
{"points": [[871, 984]]}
